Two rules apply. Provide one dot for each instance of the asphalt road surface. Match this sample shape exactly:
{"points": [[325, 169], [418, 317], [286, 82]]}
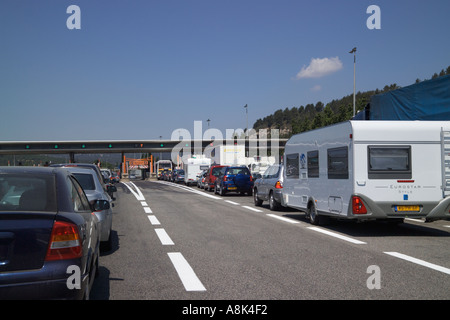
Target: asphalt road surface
{"points": [[172, 242]]}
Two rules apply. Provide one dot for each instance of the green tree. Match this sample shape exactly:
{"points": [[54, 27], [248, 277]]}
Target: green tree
{"points": [[328, 116], [318, 121]]}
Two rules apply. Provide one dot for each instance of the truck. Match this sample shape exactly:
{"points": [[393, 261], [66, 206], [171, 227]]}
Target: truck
{"points": [[370, 170], [427, 100], [228, 155], [193, 167], [234, 155]]}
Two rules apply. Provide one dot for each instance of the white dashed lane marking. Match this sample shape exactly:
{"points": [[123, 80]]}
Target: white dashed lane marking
{"points": [[153, 220], [187, 275], [164, 237], [419, 262], [336, 235], [282, 218], [184, 270]]}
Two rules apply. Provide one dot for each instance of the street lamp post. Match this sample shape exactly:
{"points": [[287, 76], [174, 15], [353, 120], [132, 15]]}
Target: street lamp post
{"points": [[160, 153], [354, 80], [246, 112]]}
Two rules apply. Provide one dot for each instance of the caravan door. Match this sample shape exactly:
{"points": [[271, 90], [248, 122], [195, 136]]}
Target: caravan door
{"points": [[335, 204], [292, 180]]}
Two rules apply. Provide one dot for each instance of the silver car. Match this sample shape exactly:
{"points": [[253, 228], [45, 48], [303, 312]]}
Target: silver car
{"points": [[269, 186], [94, 191]]}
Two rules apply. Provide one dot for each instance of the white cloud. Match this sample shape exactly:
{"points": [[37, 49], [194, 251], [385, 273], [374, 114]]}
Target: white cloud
{"points": [[320, 67]]}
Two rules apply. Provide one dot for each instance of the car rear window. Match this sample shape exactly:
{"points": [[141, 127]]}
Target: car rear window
{"points": [[216, 171], [235, 171], [26, 192], [85, 180]]}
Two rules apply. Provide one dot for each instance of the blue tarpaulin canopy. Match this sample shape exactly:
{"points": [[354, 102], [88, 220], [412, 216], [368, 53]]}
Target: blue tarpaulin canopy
{"points": [[427, 100]]}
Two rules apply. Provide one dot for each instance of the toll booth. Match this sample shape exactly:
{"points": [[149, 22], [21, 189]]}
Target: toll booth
{"points": [[137, 168]]}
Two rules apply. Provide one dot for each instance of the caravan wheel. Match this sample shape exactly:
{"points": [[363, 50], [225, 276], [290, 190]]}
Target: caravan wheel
{"points": [[313, 216]]}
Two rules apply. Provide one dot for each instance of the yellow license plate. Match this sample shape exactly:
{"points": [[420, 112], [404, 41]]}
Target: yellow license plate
{"points": [[232, 188], [407, 208]]}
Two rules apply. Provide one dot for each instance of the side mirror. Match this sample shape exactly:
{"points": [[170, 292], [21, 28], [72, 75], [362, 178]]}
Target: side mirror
{"points": [[100, 205], [111, 188]]}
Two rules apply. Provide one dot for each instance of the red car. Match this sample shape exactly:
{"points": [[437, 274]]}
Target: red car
{"points": [[211, 177]]}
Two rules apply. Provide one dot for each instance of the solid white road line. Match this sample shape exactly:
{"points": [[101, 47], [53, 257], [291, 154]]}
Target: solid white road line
{"points": [[282, 218], [185, 272], [418, 261], [138, 194], [164, 237], [253, 209], [148, 210], [189, 189], [141, 196], [153, 220], [336, 235]]}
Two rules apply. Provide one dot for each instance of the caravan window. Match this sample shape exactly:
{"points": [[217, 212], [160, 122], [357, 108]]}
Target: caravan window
{"points": [[292, 166], [313, 164], [338, 163], [389, 162]]}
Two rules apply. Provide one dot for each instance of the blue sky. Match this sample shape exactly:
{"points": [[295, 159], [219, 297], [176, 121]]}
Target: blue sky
{"points": [[141, 69]]}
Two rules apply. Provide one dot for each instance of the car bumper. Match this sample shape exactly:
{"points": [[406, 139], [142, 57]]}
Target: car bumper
{"points": [[235, 188], [430, 210], [51, 282]]}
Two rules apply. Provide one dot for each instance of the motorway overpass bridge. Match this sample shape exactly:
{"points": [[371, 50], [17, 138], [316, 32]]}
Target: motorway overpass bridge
{"points": [[131, 146]]}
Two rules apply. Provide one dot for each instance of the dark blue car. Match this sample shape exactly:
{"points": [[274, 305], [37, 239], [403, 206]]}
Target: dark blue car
{"points": [[49, 237], [234, 179]]}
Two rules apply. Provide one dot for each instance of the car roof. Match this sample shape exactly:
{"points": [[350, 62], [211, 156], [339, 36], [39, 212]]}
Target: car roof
{"points": [[24, 169], [84, 170], [74, 165]]}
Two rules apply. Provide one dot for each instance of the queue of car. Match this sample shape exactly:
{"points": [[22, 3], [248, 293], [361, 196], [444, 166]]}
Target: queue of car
{"points": [[224, 179], [56, 218], [53, 220]]}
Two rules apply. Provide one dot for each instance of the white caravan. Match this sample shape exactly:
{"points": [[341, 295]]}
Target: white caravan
{"points": [[194, 166], [369, 170]]}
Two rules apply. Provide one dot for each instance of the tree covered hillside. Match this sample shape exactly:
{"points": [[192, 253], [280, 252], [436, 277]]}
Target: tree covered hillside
{"points": [[312, 116]]}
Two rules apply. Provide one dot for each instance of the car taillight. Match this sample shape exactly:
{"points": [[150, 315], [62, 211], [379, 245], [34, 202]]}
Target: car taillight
{"points": [[64, 242], [225, 178], [251, 178], [278, 185], [358, 206]]}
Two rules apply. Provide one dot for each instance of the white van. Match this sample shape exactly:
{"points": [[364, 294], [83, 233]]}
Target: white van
{"points": [[369, 170]]}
